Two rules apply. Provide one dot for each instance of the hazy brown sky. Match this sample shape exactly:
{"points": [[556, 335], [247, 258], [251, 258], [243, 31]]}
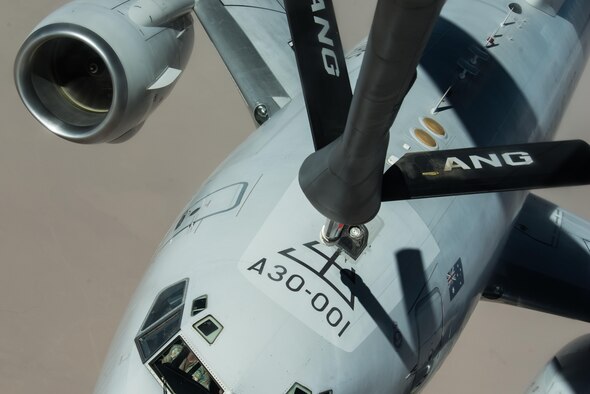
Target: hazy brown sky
{"points": [[79, 225]]}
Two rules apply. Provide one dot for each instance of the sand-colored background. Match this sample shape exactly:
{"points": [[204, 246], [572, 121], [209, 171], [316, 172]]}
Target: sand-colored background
{"points": [[78, 226]]}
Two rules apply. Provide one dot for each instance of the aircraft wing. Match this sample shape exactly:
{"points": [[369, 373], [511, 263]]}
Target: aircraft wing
{"points": [[252, 37], [545, 264]]}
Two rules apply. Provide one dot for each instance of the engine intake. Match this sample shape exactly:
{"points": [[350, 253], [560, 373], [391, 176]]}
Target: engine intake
{"points": [[90, 74]]}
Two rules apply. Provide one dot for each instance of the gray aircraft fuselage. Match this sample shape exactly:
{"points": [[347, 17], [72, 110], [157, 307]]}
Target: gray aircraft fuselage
{"points": [[295, 310]]}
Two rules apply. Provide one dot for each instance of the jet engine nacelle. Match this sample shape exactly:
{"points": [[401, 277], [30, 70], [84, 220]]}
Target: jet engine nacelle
{"points": [[567, 372], [93, 70]]}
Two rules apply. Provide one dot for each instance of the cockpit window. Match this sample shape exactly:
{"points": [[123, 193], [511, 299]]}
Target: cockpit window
{"points": [[199, 305], [181, 371], [298, 389], [163, 320], [149, 342], [168, 300], [209, 328]]}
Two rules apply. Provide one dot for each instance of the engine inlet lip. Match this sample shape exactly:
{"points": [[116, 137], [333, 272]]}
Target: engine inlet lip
{"points": [[23, 69]]}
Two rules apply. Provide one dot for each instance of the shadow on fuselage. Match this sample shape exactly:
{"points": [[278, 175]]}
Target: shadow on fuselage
{"points": [[576, 13], [491, 105], [415, 289]]}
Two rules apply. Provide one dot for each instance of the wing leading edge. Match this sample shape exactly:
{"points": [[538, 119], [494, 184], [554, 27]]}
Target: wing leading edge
{"points": [[545, 264], [252, 37]]}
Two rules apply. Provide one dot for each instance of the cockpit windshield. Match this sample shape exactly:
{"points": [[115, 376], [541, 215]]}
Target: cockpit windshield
{"points": [[167, 301], [181, 372], [163, 320]]}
